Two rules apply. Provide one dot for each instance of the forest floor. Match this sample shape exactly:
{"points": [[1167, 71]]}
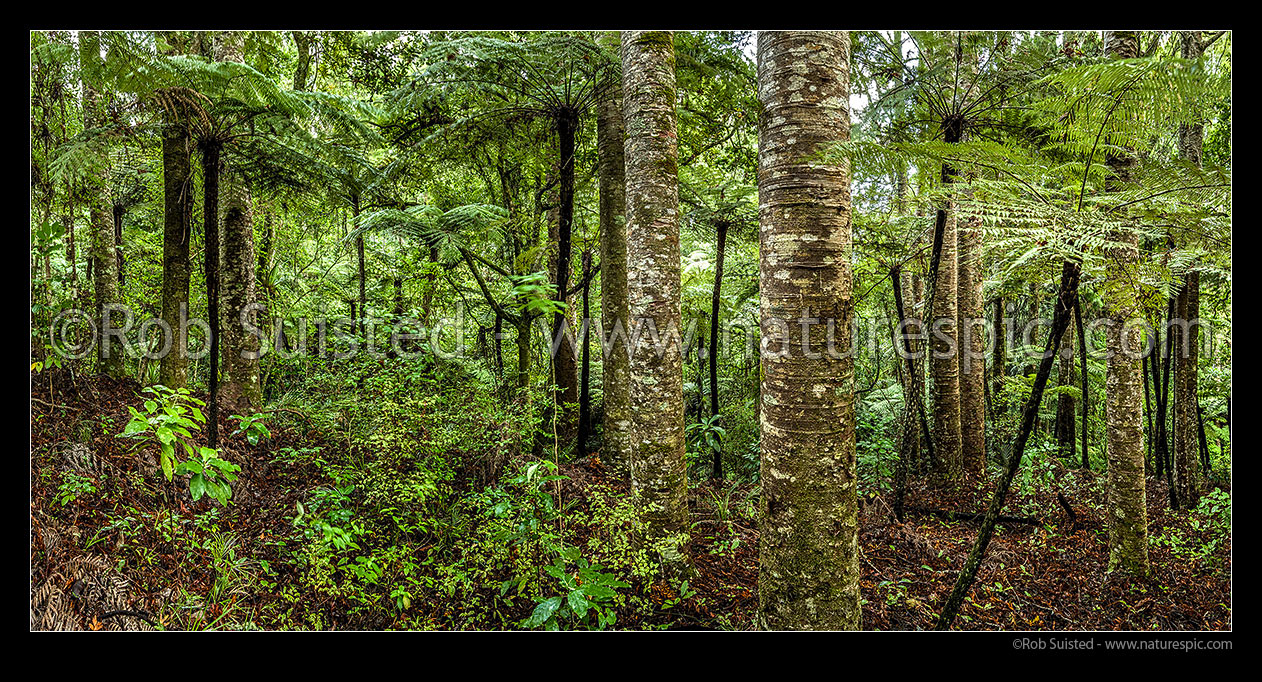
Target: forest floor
{"points": [[1046, 575]]}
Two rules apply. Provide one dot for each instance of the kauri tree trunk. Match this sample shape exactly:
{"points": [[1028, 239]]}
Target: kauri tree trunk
{"points": [[808, 549], [1127, 513], [659, 479], [610, 134]]}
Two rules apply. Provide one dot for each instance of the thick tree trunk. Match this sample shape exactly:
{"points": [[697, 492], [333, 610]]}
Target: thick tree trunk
{"points": [[610, 134], [1127, 512], [659, 479], [808, 550]]}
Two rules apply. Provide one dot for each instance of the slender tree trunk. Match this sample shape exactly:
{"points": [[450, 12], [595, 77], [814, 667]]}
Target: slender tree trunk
{"points": [[610, 134], [659, 479], [1082, 353], [998, 363], [915, 423], [242, 392], [1186, 418], [1065, 412], [361, 270], [1070, 274], [715, 302], [211, 170], [523, 352], [1127, 512], [808, 550], [119, 212], [971, 355], [584, 394], [565, 374]]}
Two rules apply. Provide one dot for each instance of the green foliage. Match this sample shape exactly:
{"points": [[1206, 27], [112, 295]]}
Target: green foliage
{"points": [[169, 418]]}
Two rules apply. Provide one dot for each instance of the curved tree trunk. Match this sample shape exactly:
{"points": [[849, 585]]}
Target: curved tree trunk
{"points": [[808, 574], [659, 479], [1127, 513], [610, 134]]}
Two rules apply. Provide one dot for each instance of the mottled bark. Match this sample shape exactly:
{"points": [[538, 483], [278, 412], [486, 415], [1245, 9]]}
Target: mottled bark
{"points": [[109, 349], [972, 348], [808, 549], [659, 480], [177, 181], [304, 41], [1127, 513], [610, 134], [212, 170], [241, 392]]}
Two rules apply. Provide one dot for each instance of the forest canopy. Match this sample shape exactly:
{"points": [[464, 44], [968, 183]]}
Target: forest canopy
{"points": [[839, 330]]}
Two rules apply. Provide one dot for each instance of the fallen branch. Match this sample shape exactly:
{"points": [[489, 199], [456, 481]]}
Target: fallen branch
{"points": [[972, 516]]}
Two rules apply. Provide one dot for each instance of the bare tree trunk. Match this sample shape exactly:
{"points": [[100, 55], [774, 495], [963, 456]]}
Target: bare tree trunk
{"points": [[808, 551], [716, 300], [242, 392], [1127, 512], [177, 181], [610, 133], [104, 261], [659, 479], [971, 355]]}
